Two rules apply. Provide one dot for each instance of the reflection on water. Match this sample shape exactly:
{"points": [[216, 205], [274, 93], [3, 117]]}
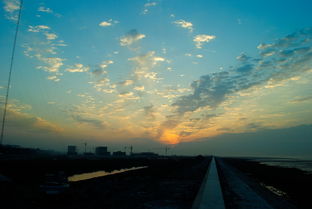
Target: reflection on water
{"points": [[91, 175], [305, 165]]}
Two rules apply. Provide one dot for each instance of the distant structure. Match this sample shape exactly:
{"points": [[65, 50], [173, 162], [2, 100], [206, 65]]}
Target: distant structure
{"points": [[71, 150], [102, 151], [145, 154], [119, 154]]}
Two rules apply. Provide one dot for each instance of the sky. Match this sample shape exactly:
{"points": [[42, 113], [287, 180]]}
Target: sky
{"points": [[198, 76]]}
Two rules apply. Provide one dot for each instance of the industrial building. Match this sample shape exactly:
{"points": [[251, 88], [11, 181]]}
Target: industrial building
{"points": [[102, 151], [71, 150]]}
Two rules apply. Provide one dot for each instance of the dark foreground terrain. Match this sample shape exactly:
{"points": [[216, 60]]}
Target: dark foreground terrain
{"points": [[291, 187], [166, 183]]}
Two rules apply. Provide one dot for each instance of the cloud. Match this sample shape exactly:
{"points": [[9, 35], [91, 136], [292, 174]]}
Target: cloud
{"points": [[38, 28], [53, 63], [130, 38], [128, 95], [144, 63], [46, 51], [292, 57], [101, 68], [201, 39], [108, 23], [184, 24], [147, 61], [89, 121], [53, 78], [78, 68], [149, 111], [50, 36], [213, 89], [301, 100], [106, 63], [45, 9], [139, 88], [11, 7], [126, 83], [147, 6], [18, 119]]}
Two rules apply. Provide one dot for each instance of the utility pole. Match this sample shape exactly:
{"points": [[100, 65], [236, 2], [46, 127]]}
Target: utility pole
{"points": [[166, 150], [85, 145], [10, 73]]}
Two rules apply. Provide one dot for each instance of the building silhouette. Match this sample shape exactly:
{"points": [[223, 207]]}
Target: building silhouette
{"points": [[71, 150], [102, 151]]}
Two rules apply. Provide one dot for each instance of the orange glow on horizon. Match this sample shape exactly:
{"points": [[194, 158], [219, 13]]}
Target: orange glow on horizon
{"points": [[170, 137]]}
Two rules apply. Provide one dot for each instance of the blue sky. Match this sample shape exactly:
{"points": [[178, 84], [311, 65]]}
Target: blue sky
{"points": [[164, 72]]}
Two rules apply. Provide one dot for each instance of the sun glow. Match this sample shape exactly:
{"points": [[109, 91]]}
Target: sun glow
{"points": [[170, 137]]}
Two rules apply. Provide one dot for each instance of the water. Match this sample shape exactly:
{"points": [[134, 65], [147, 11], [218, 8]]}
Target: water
{"points": [[96, 174], [304, 165]]}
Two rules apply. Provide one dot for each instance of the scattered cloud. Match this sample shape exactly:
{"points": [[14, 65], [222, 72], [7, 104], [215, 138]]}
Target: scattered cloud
{"points": [[95, 122], [139, 88], [53, 78], [213, 89], [144, 63], [301, 100], [108, 23], [131, 37], [50, 36], [106, 63], [38, 28], [19, 119], [45, 9], [126, 82], [201, 39], [11, 7], [184, 24], [53, 64], [78, 68], [147, 7]]}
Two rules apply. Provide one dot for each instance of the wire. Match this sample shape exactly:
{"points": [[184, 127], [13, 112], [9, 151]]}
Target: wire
{"points": [[10, 74]]}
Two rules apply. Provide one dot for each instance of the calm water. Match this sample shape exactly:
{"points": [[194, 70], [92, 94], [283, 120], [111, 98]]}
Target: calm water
{"points": [[91, 175], [305, 165]]}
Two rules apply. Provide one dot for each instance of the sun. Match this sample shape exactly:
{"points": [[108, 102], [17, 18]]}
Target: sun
{"points": [[170, 137]]}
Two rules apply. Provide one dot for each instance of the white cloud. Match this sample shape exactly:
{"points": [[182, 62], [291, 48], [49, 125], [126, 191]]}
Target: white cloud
{"points": [[130, 38], [106, 63], [38, 28], [78, 68], [54, 63], [184, 24], [108, 23], [199, 56], [139, 88], [11, 7], [152, 75], [145, 62], [45, 9], [126, 83], [53, 78], [264, 46], [50, 36], [147, 6], [201, 39]]}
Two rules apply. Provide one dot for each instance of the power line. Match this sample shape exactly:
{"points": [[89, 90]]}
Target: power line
{"points": [[10, 73]]}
